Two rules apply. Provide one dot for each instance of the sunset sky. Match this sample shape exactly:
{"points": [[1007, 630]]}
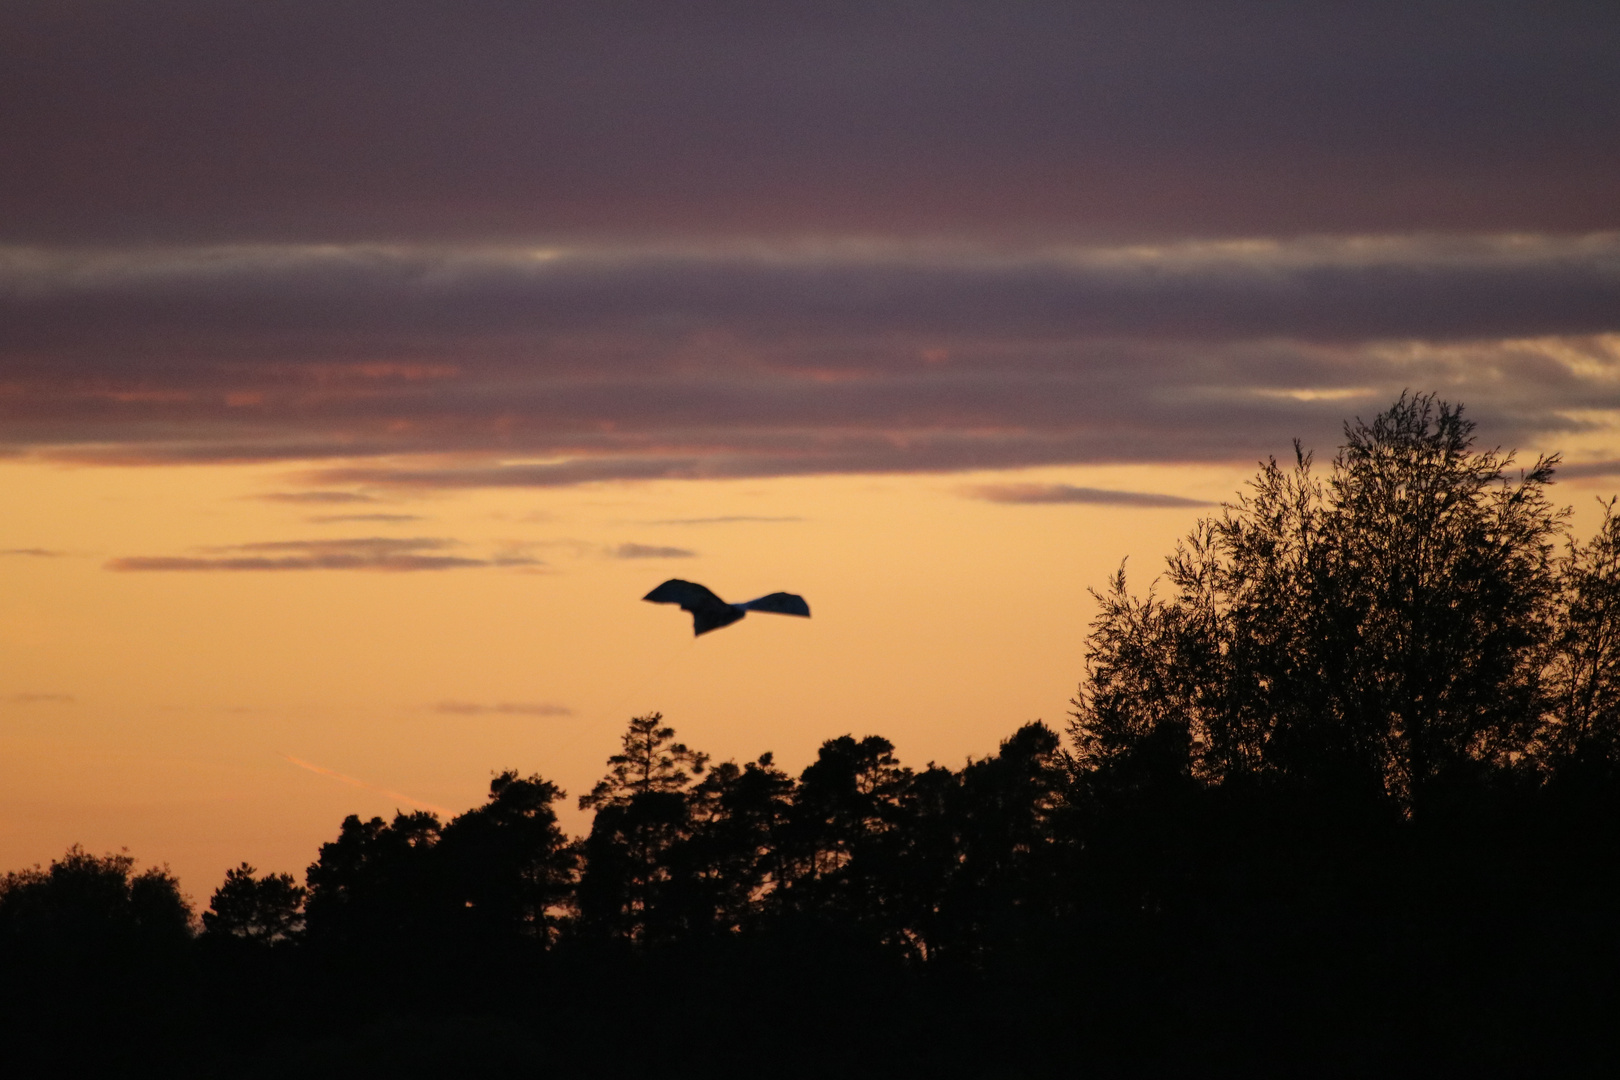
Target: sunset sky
{"points": [[362, 364]]}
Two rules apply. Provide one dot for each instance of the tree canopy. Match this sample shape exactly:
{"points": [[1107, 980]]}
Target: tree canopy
{"points": [[1400, 624]]}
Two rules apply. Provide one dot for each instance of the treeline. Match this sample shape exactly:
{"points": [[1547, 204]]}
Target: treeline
{"points": [[1345, 796], [923, 864]]}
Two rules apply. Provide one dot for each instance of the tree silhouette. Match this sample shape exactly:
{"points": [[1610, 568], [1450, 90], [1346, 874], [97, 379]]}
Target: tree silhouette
{"points": [[1443, 569], [1387, 628], [507, 864], [642, 815], [264, 910], [1010, 852], [1146, 686], [841, 832], [96, 966], [84, 904], [729, 862], [650, 762], [376, 885], [1584, 680]]}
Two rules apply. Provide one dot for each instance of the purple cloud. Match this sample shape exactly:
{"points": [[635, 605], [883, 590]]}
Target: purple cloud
{"points": [[1578, 469], [319, 498], [652, 366], [651, 551], [1066, 493], [367, 553]]}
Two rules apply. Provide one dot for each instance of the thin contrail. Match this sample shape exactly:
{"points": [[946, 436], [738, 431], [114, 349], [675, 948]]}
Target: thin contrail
{"points": [[302, 764]]}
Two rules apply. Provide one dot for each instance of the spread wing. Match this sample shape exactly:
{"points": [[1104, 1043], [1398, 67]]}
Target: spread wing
{"points": [[709, 612], [781, 603], [689, 594]]}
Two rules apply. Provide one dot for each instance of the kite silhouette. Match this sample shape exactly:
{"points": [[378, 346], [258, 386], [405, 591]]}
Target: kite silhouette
{"points": [[709, 612]]}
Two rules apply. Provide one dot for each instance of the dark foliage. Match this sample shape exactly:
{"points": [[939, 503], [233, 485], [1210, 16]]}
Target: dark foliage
{"points": [[498, 876], [264, 910], [85, 906], [1346, 799], [95, 963]]}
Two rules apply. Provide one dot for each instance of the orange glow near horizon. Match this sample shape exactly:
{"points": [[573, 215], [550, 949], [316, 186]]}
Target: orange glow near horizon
{"points": [[159, 710]]}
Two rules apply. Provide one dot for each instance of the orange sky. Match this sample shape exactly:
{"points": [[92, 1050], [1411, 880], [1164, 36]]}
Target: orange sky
{"points": [[201, 718], [162, 710], [362, 365]]}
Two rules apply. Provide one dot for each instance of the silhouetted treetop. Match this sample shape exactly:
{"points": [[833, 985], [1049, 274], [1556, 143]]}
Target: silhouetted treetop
{"points": [[264, 910], [498, 874], [651, 761], [1584, 679], [84, 903], [376, 882], [1385, 628], [508, 864]]}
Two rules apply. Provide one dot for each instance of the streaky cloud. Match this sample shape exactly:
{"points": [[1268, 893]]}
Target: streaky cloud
{"points": [[312, 562], [352, 781], [367, 553], [651, 551], [39, 699], [359, 319], [317, 498], [1580, 469], [1068, 493]]}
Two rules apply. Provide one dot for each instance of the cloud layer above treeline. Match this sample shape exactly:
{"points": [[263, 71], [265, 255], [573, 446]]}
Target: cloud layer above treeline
{"points": [[537, 244], [517, 368]]}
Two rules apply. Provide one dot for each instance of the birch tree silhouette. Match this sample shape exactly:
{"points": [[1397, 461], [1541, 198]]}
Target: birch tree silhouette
{"points": [[1388, 627]]}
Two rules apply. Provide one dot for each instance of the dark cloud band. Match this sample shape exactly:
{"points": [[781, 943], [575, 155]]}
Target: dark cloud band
{"points": [[489, 368], [338, 318]]}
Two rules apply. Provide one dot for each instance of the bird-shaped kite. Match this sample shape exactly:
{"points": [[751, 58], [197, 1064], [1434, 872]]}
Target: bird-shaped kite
{"points": [[709, 612]]}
